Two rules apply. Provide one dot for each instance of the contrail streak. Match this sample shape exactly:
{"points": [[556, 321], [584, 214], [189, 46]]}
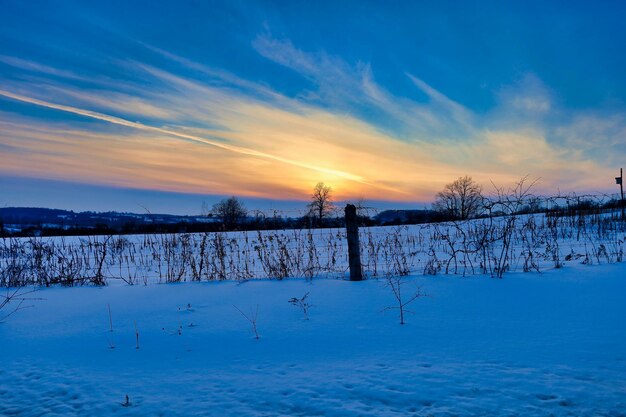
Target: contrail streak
{"points": [[197, 139]]}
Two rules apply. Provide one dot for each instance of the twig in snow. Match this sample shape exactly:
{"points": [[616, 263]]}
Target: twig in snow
{"points": [[110, 319], [303, 304], [18, 296], [395, 283], [251, 318], [136, 336]]}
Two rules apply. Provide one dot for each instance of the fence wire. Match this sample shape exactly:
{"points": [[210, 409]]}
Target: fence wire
{"points": [[494, 246]]}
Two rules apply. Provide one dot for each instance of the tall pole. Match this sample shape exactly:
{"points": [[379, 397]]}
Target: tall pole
{"points": [[354, 248], [621, 188], [620, 180]]}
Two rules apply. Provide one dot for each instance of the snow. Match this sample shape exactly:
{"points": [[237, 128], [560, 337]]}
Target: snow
{"points": [[530, 344], [533, 243]]}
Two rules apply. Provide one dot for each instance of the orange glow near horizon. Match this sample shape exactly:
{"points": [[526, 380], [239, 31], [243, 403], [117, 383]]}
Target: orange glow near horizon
{"points": [[276, 151]]}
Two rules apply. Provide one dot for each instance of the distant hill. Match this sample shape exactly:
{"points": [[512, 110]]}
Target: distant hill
{"points": [[35, 220], [390, 217]]}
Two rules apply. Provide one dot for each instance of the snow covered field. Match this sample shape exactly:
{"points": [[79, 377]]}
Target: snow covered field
{"points": [[531, 344], [491, 246]]}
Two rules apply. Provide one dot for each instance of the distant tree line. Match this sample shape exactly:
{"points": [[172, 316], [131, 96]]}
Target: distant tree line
{"points": [[461, 199]]}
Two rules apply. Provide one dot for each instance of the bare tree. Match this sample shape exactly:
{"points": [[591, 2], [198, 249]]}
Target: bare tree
{"points": [[395, 283], [321, 204], [460, 199], [510, 204], [231, 210]]}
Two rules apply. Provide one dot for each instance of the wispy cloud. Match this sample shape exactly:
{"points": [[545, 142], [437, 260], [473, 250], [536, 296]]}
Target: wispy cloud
{"points": [[354, 90], [203, 129], [193, 138], [37, 67]]}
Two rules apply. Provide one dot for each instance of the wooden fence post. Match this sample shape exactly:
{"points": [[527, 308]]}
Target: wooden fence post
{"points": [[354, 249], [620, 181]]}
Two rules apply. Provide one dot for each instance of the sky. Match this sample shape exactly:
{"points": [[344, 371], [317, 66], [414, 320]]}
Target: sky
{"points": [[164, 106]]}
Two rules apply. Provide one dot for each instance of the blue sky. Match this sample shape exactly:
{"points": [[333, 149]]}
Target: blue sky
{"points": [[170, 104]]}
